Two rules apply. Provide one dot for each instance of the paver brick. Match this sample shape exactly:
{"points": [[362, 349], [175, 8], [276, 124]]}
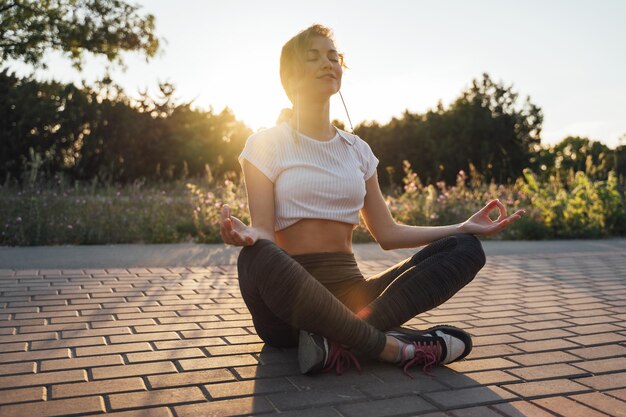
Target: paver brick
{"points": [[595, 328], [144, 337], [485, 378], [166, 327], [542, 358], [42, 378], [544, 345], [66, 407], [598, 339], [482, 411], [521, 408], [27, 337], [13, 347], [311, 412], [87, 362], [469, 396], [542, 325], [46, 315], [481, 364], [236, 349], [53, 327], [165, 355], [493, 322], [110, 349], [67, 334], [97, 387], [543, 314], [225, 408], [546, 388], [304, 399], [34, 355], [604, 382], [571, 408], [375, 389], [22, 395], [493, 330], [599, 351], [544, 334], [266, 371], [122, 323], [591, 320], [386, 407], [151, 368], [157, 397], [144, 412], [482, 352], [79, 319], [18, 368], [604, 403], [190, 378], [217, 362], [226, 324], [245, 388], [189, 334], [603, 365], [495, 339], [54, 344], [618, 393], [547, 371], [243, 339], [187, 343]]}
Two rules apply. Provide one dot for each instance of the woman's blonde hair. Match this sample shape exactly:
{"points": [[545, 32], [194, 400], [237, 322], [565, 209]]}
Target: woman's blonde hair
{"points": [[292, 58]]}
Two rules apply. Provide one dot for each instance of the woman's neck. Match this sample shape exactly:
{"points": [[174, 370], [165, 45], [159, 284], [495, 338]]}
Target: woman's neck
{"points": [[314, 120]]}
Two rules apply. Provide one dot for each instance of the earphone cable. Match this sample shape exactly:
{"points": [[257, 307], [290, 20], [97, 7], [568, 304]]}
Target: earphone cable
{"points": [[347, 114]]}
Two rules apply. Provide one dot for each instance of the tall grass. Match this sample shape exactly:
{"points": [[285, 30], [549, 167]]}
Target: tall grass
{"points": [[53, 211]]}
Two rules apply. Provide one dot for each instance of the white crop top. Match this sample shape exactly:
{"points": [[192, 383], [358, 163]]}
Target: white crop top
{"points": [[312, 179]]}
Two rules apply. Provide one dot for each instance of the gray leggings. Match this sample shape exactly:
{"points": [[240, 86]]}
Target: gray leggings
{"points": [[325, 293]]}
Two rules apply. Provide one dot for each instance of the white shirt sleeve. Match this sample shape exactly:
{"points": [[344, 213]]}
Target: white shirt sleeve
{"points": [[371, 162], [259, 151]]}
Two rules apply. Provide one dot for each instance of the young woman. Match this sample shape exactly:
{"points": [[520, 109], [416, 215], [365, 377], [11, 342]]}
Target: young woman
{"points": [[306, 182]]}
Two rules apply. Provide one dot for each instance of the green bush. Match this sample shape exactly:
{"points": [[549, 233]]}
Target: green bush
{"points": [[46, 212]]}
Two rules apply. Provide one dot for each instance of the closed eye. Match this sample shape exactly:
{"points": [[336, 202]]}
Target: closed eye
{"points": [[314, 55]]}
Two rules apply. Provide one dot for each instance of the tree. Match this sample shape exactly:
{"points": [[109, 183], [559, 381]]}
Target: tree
{"points": [[575, 153], [492, 131], [485, 127], [29, 28]]}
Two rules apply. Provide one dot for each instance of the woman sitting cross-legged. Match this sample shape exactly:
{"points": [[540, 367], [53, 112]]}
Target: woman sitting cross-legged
{"points": [[306, 182]]}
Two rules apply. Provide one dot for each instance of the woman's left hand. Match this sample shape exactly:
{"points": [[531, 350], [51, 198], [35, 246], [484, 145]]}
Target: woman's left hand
{"points": [[481, 224]]}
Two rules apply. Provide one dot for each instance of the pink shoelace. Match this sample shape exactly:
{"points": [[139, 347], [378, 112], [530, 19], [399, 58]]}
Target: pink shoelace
{"points": [[427, 353], [341, 359]]}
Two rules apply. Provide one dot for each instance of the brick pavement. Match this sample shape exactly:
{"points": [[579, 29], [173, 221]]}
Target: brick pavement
{"points": [[549, 335]]}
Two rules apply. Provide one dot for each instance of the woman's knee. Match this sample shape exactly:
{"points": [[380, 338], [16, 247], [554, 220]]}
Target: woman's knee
{"points": [[471, 246], [258, 260], [249, 254]]}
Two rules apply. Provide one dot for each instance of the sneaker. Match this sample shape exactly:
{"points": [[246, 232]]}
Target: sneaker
{"points": [[437, 345], [316, 353]]}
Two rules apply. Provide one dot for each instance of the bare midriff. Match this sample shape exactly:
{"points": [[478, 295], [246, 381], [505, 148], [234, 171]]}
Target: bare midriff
{"points": [[316, 235]]}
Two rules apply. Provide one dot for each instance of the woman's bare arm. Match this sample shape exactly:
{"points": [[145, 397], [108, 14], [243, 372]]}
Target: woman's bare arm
{"points": [[260, 191], [391, 235]]}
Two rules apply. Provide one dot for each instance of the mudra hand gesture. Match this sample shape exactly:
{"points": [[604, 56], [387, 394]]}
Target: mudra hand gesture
{"points": [[234, 231], [481, 224]]}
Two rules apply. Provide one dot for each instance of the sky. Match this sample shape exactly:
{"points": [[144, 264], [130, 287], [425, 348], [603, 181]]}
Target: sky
{"points": [[568, 56]]}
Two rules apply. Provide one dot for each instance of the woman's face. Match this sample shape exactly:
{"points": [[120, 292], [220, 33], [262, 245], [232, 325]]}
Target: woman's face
{"points": [[322, 73]]}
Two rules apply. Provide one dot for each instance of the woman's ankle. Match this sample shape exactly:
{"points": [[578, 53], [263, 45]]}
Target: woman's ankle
{"points": [[392, 351]]}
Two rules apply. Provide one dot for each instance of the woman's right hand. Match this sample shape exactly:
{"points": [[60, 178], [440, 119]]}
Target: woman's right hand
{"points": [[234, 231]]}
